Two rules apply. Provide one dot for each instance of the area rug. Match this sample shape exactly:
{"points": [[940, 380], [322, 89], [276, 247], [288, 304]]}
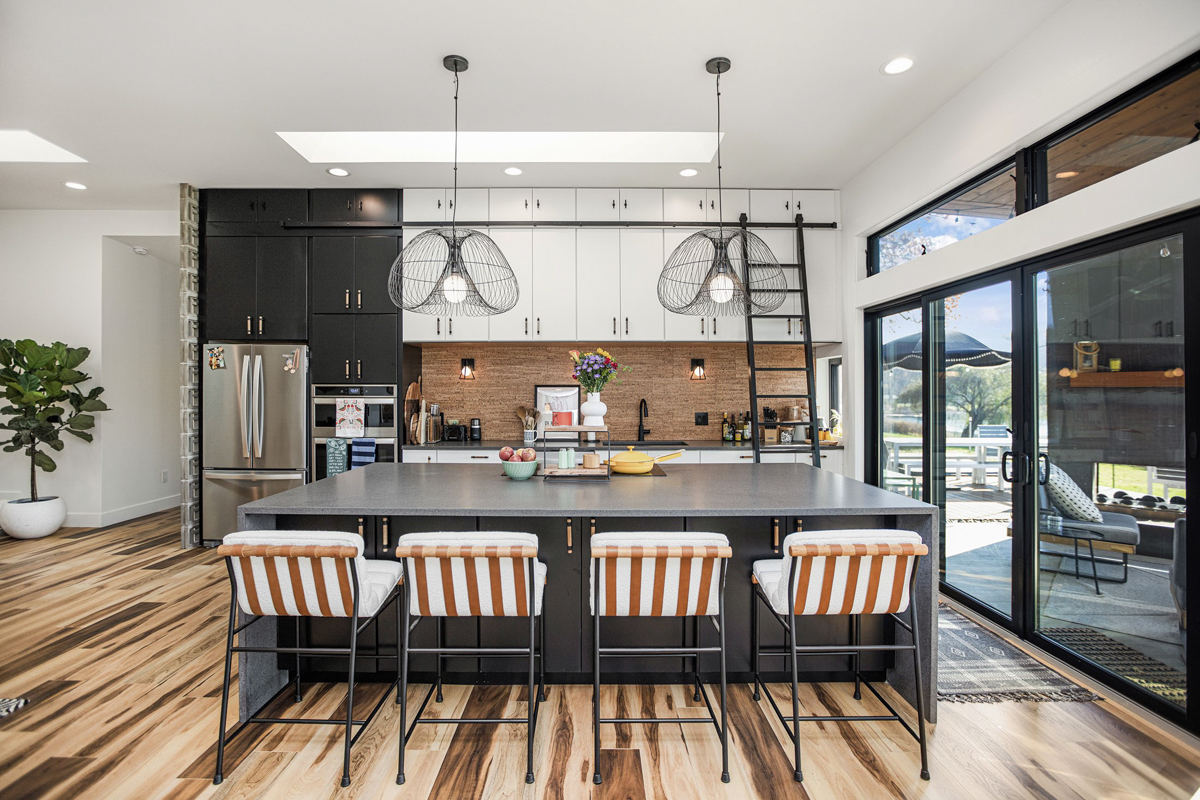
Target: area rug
{"points": [[1154, 676], [10, 704], [976, 666]]}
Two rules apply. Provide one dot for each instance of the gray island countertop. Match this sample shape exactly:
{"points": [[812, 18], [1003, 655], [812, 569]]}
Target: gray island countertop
{"points": [[686, 490]]}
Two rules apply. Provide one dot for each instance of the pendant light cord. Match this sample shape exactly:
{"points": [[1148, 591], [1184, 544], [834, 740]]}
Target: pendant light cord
{"points": [[454, 201], [720, 192]]}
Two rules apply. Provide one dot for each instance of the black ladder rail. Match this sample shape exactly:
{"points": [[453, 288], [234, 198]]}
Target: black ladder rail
{"points": [[809, 394]]}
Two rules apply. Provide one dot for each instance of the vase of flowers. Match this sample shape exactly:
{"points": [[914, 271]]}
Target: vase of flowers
{"points": [[594, 370]]}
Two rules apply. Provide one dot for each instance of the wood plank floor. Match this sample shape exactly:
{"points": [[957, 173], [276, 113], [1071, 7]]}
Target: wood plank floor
{"points": [[117, 638]]}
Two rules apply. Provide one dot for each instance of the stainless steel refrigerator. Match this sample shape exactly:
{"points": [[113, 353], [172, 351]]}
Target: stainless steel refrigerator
{"points": [[254, 432]]}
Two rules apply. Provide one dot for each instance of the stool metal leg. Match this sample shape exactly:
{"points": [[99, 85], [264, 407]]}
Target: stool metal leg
{"points": [[533, 699], [542, 656], [350, 688], [219, 775], [596, 779], [798, 775], [724, 683], [912, 620], [403, 616], [695, 658], [1092, 558], [298, 697], [441, 642], [856, 628], [754, 644]]}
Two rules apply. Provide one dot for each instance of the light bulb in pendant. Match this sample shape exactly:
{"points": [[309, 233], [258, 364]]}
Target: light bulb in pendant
{"points": [[455, 288], [720, 289]]}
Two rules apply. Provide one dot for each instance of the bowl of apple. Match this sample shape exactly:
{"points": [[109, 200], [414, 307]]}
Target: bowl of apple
{"points": [[520, 464]]}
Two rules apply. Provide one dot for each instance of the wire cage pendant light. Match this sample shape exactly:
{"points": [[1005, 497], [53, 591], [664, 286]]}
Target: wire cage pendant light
{"points": [[453, 271], [721, 271]]}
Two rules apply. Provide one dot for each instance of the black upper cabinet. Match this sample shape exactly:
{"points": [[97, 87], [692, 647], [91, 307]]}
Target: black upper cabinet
{"points": [[229, 287], [282, 288], [256, 205], [354, 205], [255, 288], [350, 274]]}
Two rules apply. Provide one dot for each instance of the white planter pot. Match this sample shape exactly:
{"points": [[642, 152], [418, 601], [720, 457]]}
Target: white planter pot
{"points": [[593, 411], [22, 519]]}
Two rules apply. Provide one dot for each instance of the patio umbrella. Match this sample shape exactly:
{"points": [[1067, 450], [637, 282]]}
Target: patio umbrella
{"points": [[905, 352]]}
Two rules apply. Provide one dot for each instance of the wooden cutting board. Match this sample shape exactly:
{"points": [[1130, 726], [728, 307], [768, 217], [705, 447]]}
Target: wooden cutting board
{"points": [[412, 408]]}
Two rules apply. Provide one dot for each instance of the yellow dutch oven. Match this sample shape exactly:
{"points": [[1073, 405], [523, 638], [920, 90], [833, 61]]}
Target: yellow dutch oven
{"points": [[635, 463]]}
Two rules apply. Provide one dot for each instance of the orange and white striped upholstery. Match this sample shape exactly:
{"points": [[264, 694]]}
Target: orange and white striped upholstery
{"points": [[471, 574], [842, 572], [657, 574], [306, 573]]}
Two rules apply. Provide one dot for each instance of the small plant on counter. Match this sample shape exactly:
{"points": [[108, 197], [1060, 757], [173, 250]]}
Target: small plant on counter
{"points": [[39, 380], [595, 369]]}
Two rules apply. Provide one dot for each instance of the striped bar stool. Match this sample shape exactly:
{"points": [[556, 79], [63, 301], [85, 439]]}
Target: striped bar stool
{"points": [[470, 575], [304, 574], [660, 575], [849, 573]]}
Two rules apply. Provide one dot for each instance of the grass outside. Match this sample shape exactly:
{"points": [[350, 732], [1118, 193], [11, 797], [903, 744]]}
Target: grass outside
{"points": [[1132, 479]]}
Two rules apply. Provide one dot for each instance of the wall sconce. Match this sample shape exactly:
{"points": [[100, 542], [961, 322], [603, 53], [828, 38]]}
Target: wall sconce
{"points": [[698, 369], [467, 373]]}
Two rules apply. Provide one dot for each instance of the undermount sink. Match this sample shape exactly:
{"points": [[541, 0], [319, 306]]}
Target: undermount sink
{"points": [[648, 443]]}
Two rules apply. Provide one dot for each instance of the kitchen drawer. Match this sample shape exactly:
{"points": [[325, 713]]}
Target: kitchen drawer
{"points": [[726, 457], [481, 457], [418, 457]]}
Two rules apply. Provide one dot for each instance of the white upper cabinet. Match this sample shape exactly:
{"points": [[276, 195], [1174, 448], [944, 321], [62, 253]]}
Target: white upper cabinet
{"points": [[824, 286], [597, 205], [420, 327], [554, 205], [817, 205], [735, 202], [771, 205], [553, 286], [424, 205], [641, 205], [598, 284], [641, 264], [472, 205], [681, 327], [466, 329], [684, 205], [516, 325], [510, 205]]}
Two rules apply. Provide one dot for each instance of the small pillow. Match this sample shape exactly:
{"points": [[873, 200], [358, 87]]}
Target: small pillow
{"points": [[1069, 498]]}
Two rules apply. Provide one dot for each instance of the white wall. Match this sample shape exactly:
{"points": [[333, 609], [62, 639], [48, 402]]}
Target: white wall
{"points": [[140, 333], [1084, 55], [51, 279]]}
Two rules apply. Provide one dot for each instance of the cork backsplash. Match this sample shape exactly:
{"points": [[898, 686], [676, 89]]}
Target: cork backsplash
{"points": [[507, 373]]}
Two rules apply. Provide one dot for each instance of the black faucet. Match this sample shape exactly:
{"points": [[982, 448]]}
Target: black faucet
{"points": [[642, 414]]}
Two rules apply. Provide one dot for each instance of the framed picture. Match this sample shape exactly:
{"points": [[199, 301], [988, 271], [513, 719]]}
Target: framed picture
{"points": [[564, 405]]}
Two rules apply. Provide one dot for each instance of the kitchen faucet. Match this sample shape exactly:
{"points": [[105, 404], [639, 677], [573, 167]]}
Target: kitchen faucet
{"points": [[642, 414]]}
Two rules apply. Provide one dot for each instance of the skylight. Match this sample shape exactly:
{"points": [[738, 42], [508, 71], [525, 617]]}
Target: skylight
{"points": [[560, 147], [26, 146]]}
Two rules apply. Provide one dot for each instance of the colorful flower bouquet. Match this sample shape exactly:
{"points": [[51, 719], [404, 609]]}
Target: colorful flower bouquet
{"points": [[595, 370]]}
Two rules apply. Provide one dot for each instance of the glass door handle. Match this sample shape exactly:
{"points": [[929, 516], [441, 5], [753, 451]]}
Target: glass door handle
{"points": [[1005, 458], [1043, 476]]}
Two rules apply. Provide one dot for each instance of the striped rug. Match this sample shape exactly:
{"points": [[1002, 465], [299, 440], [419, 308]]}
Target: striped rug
{"points": [[1133, 665], [976, 666]]}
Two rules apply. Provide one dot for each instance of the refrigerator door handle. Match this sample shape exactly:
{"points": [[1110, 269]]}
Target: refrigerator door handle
{"points": [[260, 406], [243, 391], [253, 476]]}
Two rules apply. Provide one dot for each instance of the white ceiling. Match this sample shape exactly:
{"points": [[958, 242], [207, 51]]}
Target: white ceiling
{"points": [[155, 93]]}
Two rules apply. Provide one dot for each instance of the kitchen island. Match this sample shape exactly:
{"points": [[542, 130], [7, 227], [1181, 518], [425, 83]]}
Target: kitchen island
{"points": [[755, 505]]}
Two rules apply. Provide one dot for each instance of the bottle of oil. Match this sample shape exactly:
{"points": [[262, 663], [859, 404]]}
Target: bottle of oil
{"points": [[737, 429]]}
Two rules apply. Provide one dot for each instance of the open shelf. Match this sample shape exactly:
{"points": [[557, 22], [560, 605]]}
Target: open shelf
{"points": [[1126, 380]]}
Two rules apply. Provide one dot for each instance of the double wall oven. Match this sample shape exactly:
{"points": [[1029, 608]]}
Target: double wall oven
{"points": [[381, 419]]}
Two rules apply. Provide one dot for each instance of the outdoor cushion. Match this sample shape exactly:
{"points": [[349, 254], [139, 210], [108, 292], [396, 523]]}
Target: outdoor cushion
{"points": [[1113, 527], [1069, 498]]}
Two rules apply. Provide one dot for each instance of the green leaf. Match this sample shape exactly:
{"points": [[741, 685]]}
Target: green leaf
{"points": [[87, 437], [12, 447], [92, 404], [81, 422], [44, 461], [56, 444], [50, 411], [70, 376], [74, 356]]}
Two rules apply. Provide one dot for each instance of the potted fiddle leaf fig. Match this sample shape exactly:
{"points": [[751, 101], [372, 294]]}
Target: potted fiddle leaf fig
{"points": [[42, 400]]}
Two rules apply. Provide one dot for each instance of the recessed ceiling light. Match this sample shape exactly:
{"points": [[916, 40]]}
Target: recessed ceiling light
{"points": [[26, 146], [74, 185], [338, 172], [897, 65], [688, 173], [1071, 174], [490, 147], [513, 171], [141, 251]]}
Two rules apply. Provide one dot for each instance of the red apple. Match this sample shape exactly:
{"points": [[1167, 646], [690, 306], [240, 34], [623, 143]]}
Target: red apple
{"points": [[528, 454], [507, 453]]}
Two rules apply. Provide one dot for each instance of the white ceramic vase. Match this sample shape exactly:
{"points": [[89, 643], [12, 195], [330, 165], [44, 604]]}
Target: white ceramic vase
{"points": [[24, 519], [593, 411]]}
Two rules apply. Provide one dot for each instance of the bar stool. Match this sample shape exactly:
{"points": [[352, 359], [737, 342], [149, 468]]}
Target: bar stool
{"points": [[851, 573], [660, 574], [470, 575], [304, 574]]}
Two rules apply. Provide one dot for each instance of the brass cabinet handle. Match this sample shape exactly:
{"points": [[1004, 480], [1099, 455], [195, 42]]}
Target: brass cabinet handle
{"points": [[385, 533], [569, 544], [360, 298], [359, 369], [360, 526], [347, 369], [775, 535], [250, 331], [799, 525], [593, 523], [260, 324], [745, 456], [347, 298]]}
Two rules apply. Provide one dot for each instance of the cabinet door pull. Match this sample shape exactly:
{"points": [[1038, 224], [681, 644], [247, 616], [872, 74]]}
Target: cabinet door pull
{"points": [[359, 362], [627, 326], [347, 369], [385, 533], [569, 542], [438, 321], [349, 205], [745, 456], [593, 526], [538, 329], [360, 298], [250, 331], [785, 205], [625, 203], [614, 325], [799, 525], [702, 326], [538, 202], [701, 205], [527, 326], [260, 324], [480, 456], [789, 327], [360, 526], [449, 326], [264, 205], [614, 203], [360, 205], [439, 203], [251, 205], [714, 326], [527, 202], [775, 535], [347, 298]]}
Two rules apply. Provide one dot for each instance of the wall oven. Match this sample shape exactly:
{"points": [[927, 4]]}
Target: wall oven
{"points": [[382, 424]]}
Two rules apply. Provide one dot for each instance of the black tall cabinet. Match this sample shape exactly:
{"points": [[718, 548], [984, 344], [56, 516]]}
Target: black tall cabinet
{"points": [[255, 288]]}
